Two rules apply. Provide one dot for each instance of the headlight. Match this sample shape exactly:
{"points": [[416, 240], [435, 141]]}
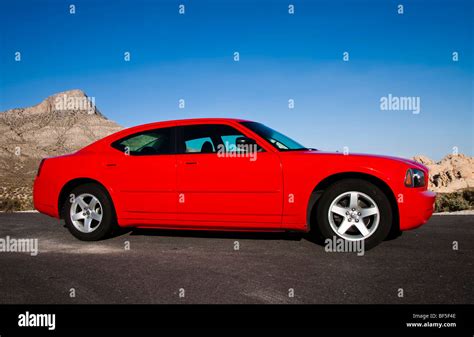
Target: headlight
{"points": [[415, 178]]}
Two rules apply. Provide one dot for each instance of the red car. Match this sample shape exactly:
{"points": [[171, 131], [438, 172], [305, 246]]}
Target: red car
{"points": [[229, 174]]}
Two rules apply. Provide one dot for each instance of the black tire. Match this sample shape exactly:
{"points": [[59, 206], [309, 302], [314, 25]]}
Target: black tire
{"points": [[108, 221], [358, 185]]}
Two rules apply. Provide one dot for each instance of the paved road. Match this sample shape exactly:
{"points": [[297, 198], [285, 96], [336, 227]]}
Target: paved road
{"points": [[159, 263]]}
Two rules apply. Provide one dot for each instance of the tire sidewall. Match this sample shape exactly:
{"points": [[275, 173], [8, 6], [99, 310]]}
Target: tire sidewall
{"points": [[358, 185]]}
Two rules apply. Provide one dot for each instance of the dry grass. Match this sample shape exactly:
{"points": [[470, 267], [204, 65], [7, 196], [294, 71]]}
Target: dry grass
{"points": [[16, 199]]}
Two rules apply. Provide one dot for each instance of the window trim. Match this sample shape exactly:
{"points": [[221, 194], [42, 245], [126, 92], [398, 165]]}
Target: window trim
{"points": [[178, 134]]}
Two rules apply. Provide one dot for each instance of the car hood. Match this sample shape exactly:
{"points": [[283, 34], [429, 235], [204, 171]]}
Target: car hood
{"points": [[407, 162]]}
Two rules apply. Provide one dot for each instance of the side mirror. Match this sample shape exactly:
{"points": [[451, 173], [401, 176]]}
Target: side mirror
{"points": [[246, 144], [245, 141]]}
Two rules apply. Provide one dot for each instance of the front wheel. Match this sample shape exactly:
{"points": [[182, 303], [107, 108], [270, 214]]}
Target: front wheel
{"points": [[88, 213], [354, 210]]}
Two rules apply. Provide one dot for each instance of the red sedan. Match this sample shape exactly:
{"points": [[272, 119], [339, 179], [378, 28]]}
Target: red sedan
{"points": [[229, 174]]}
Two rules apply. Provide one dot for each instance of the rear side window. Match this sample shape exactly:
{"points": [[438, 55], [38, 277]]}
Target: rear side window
{"points": [[152, 142]]}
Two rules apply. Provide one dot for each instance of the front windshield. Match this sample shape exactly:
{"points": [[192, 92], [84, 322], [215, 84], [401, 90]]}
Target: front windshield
{"points": [[278, 140]]}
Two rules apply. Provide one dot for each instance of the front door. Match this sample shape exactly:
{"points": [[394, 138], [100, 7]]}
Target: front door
{"points": [[219, 184]]}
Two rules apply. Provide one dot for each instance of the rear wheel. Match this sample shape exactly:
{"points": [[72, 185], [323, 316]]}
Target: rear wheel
{"points": [[88, 213], [354, 210]]}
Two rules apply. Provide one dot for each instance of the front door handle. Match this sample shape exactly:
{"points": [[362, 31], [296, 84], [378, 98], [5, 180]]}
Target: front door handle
{"points": [[191, 162]]}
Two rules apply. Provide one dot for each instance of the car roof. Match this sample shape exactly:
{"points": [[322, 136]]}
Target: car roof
{"points": [[188, 121], [205, 120]]}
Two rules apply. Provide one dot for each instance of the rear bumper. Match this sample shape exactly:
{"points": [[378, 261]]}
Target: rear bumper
{"points": [[418, 209], [43, 198]]}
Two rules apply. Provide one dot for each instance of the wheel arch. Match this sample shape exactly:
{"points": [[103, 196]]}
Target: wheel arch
{"points": [[70, 185], [328, 181]]}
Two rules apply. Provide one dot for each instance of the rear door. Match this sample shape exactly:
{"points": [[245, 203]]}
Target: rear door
{"points": [[143, 171]]}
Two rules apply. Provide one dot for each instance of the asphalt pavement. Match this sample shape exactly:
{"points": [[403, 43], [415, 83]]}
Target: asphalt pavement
{"points": [[429, 265]]}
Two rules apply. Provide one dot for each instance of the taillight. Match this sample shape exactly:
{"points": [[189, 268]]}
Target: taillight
{"points": [[40, 166]]}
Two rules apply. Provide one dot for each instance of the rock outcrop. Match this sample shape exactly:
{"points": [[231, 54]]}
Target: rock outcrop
{"points": [[62, 123], [452, 173]]}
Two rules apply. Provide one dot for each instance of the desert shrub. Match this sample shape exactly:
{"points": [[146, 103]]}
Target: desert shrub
{"points": [[10, 204], [468, 195], [456, 201]]}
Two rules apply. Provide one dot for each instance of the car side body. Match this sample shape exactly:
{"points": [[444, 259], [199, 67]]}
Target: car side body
{"points": [[276, 192]]}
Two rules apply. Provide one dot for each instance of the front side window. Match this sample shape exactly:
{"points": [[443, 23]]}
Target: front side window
{"points": [[203, 144], [153, 142], [208, 138]]}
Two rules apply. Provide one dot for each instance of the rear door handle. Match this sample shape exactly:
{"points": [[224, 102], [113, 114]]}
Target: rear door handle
{"points": [[191, 162]]}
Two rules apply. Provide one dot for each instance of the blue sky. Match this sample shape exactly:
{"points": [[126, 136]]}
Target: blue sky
{"points": [[282, 57]]}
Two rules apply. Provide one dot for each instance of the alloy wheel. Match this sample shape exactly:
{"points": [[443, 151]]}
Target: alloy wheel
{"points": [[354, 216], [86, 213]]}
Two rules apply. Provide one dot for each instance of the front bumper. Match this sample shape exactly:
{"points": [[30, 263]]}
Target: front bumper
{"points": [[417, 209]]}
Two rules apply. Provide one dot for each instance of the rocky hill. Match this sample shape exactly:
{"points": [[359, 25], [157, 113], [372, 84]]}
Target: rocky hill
{"points": [[62, 123], [451, 174]]}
